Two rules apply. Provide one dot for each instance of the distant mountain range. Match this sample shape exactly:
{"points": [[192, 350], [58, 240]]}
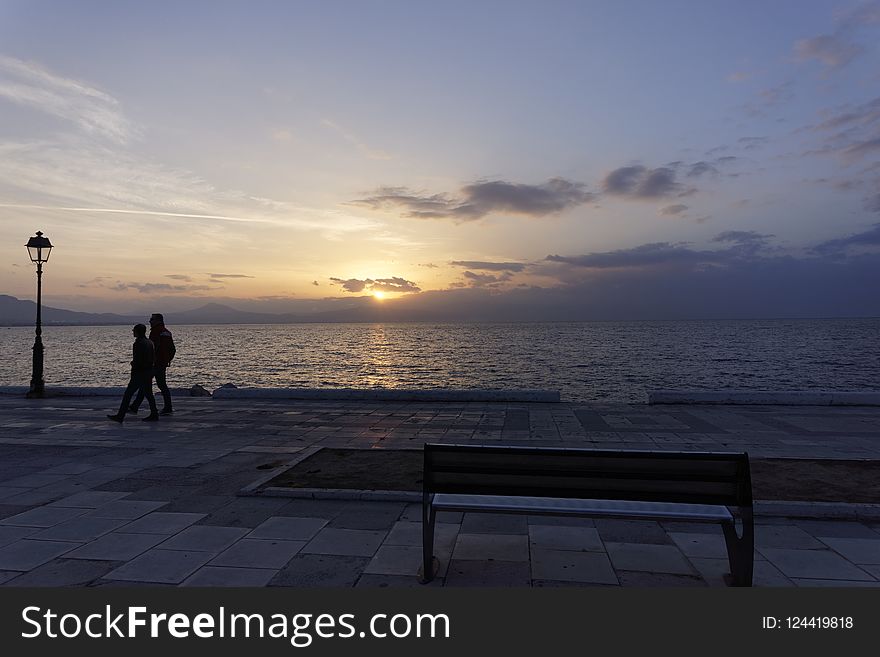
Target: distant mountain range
{"points": [[18, 312]]}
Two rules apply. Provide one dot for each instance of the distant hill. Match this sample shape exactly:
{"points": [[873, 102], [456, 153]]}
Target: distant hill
{"points": [[18, 312]]}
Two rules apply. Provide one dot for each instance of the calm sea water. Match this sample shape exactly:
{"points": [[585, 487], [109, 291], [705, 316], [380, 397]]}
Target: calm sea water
{"points": [[608, 361]]}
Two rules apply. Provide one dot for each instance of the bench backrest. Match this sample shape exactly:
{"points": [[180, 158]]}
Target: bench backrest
{"points": [[651, 476]]}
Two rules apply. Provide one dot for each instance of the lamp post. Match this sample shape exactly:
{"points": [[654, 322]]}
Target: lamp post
{"points": [[39, 248]]}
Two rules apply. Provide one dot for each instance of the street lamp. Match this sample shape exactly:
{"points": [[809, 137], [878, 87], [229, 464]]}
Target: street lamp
{"points": [[39, 248]]}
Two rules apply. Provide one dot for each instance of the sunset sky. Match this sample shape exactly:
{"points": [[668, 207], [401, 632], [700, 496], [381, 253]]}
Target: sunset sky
{"points": [[625, 158]]}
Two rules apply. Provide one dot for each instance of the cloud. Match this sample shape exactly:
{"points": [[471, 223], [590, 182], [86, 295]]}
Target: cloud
{"points": [[316, 283], [151, 288], [872, 203], [700, 168], [486, 280], [834, 51], [93, 111], [480, 199], [868, 238], [489, 266], [179, 277], [393, 284], [852, 133], [831, 50], [660, 255], [673, 210], [752, 143], [640, 183], [230, 276], [656, 254]]}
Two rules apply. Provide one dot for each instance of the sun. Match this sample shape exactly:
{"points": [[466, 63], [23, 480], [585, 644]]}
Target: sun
{"points": [[378, 295]]}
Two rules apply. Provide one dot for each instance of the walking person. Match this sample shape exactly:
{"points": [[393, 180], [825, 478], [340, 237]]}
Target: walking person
{"points": [[143, 354], [163, 342]]}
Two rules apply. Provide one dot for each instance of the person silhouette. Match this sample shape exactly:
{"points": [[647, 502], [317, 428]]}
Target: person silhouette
{"points": [[143, 355], [163, 342]]}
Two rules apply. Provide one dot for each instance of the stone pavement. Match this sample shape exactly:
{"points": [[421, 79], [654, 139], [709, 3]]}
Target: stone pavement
{"points": [[87, 502]]}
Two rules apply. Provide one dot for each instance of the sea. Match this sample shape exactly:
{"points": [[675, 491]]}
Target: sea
{"points": [[585, 361]]}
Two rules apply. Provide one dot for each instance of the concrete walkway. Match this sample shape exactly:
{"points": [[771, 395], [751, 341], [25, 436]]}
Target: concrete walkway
{"points": [[87, 502]]}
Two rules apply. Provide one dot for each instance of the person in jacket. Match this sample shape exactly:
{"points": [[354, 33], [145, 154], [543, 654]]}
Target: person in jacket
{"points": [[163, 341], [142, 357]]}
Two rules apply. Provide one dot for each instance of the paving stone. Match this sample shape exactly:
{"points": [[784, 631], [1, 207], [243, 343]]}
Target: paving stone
{"points": [[631, 531], [8, 491], [11, 534], [117, 546], [161, 566], [80, 529], [834, 583], [714, 571], [494, 523], [319, 570], [290, 529], [648, 557], [782, 536], [500, 547], [27, 554], [345, 542], [858, 550], [812, 564], [249, 512], [160, 522], [657, 580], [237, 577], [361, 516], [700, 545], [370, 581], [262, 554], [7, 575], [553, 537], [837, 529], [65, 572], [327, 509], [402, 560], [570, 566], [125, 509], [410, 533], [89, 499], [204, 538], [42, 517], [560, 521], [488, 573]]}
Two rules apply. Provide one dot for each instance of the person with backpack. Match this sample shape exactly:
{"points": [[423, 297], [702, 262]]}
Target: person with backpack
{"points": [[163, 341]]}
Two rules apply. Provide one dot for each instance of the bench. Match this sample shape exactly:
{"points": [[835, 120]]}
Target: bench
{"points": [[689, 486]]}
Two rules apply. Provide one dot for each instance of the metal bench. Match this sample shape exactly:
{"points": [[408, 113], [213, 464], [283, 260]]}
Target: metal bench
{"points": [[690, 486]]}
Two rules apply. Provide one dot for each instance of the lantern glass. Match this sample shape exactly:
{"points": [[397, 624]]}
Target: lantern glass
{"points": [[39, 248]]}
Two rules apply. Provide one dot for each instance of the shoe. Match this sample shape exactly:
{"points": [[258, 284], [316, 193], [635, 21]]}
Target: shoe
{"points": [[133, 409], [166, 411], [152, 417], [116, 418]]}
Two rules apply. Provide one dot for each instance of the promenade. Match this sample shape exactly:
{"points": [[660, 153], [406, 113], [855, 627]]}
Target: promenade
{"points": [[88, 502]]}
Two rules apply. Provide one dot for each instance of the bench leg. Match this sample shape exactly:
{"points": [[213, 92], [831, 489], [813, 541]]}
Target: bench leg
{"points": [[741, 550], [428, 517]]}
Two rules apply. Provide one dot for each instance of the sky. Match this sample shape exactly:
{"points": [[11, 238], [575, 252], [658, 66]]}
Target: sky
{"points": [[540, 160]]}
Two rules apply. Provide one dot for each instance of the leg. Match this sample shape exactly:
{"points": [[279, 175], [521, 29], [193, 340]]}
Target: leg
{"points": [[162, 384], [146, 387], [741, 549], [133, 385], [428, 517], [138, 398]]}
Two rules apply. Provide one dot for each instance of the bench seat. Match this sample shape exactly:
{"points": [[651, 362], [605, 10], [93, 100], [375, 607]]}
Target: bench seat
{"points": [[577, 507], [575, 481]]}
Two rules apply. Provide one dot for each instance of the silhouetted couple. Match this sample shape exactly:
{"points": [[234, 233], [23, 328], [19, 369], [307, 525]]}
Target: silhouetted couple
{"points": [[150, 357]]}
